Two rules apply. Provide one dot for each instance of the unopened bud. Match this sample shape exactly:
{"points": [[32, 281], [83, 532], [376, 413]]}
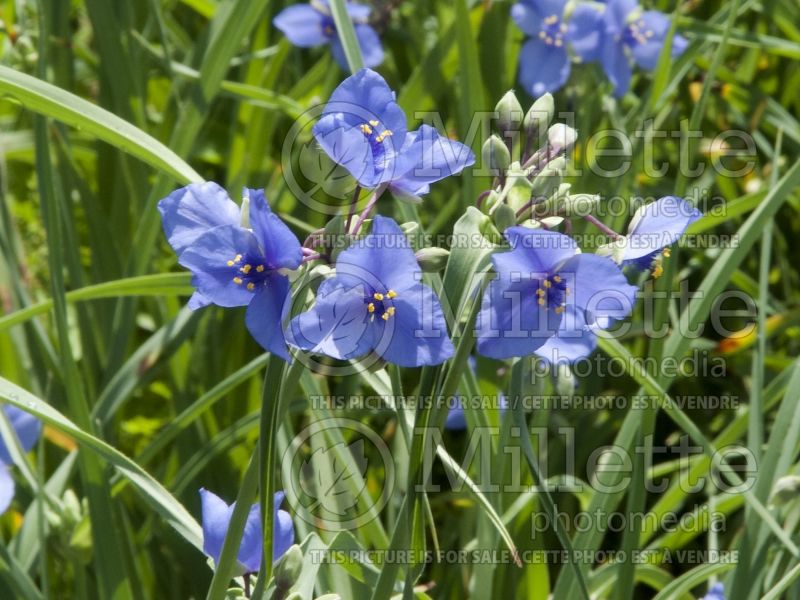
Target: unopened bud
{"points": [[289, 567], [509, 113], [561, 136], [539, 115], [495, 155], [432, 260], [579, 205], [549, 180], [504, 217]]}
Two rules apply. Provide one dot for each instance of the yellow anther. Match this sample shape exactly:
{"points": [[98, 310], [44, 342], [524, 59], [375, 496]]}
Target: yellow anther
{"points": [[546, 283], [237, 280], [365, 128], [557, 278], [246, 269], [251, 286], [558, 43], [238, 258], [385, 316], [391, 294], [559, 310], [260, 268], [231, 263], [666, 252], [541, 301], [378, 296], [390, 311], [371, 307], [374, 123], [551, 19], [540, 292], [542, 35], [383, 135]]}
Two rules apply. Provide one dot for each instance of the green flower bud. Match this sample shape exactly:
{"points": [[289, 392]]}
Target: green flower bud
{"points": [[504, 217], [539, 116], [509, 113], [549, 180], [289, 567], [579, 205], [495, 155], [561, 136], [432, 260]]}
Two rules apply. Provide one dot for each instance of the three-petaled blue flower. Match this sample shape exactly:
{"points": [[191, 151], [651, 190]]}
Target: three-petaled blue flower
{"points": [[216, 518], [549, 299], [653, 228], [27, 428], [309, 25], [375, 302], [629, 32], [364, 129], [717, 592], [544, 63], [233, 265]]}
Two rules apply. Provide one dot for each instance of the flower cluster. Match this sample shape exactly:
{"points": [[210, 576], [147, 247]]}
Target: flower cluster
{"points": [[309, 25], [27, 429], [614, 35]]}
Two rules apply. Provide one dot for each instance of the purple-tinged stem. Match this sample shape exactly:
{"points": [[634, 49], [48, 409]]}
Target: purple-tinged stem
{"points": [[602, 226], [352, 208], [368, 208]]}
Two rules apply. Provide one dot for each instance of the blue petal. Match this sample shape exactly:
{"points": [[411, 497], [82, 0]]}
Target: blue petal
{"points": [[617, 13], [26, 426], [302, 25], [527, 17], [198, 301], [427, 157], [283, 528], [585, 32], [616, 65], [337, 326], [534, 250], [251, 548], [717, 592], [511, 322], [266, 313], [215, 517], [358, 12], [281, 247], [658, 225], [456, 419], [679, 45], [383, 260], [192, 210], [365, 96], [348, 147], [337, 49], [573, 340], [370, 44], [6, 488], [598, 286], [654, 26], [208, 258], [542, 67], [417, 333]]}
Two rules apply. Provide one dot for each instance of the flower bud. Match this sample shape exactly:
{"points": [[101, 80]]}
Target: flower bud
{"points": [[495, 155], [579, 205], [549, 180], [561, 136], [504, 217], [509, 113], [289, 567], [432, 260], [539, 115], [245, 212]]}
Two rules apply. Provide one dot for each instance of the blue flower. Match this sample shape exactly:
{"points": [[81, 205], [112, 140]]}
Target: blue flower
{"points": [[364, 129], [27, 428], [654, 227], [549, 298], [216, 517], [234, 265], [375, 302], [309, 25], [544, 63], [717, 592], [457, 420], [629, 33]]}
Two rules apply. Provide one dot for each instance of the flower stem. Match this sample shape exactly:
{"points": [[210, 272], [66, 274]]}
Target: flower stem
{"points": [[368, 208], [352, 208], [602, 226]]}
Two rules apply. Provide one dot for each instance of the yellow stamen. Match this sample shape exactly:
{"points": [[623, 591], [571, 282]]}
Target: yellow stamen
{"points": [[378, 296], [390, 311], [251, 286], [231, 263], [540, 292], [246, 269], [371, 307], [666, 252], [557, 278], [391, 294], [365, 128], [541, 301], [260, 268], [238, 258], [383, 135], [237, 280], [385, 316], [374, 123], [546, 283], [559, 309]]}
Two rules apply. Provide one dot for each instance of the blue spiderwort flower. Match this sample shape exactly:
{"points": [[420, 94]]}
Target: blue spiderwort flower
{"points": [[717, 592], [375, 302], [309, 25], [653, 228], [629, 32], [544, 63], [363, 129], [457, 420], [233, 265], [27, 428], [216, 517], [546, 291]]}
